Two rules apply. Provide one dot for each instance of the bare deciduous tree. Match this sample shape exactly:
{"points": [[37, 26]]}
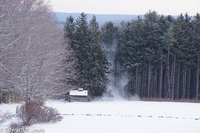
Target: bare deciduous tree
{"points": [[32, 51]]}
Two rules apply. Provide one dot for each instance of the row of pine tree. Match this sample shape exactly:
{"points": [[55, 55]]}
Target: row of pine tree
{"points": [[159, 54]]}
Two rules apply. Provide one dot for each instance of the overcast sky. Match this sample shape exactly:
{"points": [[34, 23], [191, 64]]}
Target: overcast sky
{"points": [[134, 7]]}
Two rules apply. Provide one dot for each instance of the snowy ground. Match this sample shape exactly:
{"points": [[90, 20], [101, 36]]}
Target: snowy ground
{"points": [[120, 117]]}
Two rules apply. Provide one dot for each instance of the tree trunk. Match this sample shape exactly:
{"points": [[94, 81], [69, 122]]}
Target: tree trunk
{"points": [[184, 84], [178, 81], [173, 77], [161, 79], [168, 77], [197, 80], [142, 84], [188, 84], [149, 80], [1, 97], [155, 87], [136, 80]]}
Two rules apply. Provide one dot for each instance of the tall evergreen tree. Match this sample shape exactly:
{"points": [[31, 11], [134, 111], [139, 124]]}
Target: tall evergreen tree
{"points": [[99, 62], [69, 30], [185, 53], [152, 52], [82, 49], [196, 43], [92, 62], [168, 41], [130, 52]]}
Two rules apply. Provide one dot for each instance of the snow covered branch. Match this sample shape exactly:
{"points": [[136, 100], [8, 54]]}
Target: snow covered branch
{"points": [[32, 51]]}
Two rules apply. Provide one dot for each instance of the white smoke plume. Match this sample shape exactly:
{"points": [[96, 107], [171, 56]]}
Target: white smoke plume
{"points": [[116, 86]]}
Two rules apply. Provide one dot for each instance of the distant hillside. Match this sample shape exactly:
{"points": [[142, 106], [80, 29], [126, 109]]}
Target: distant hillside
{"points": [[101, 18]]}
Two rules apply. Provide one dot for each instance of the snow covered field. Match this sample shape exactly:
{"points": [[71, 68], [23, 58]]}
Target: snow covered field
{"points": [[120, 117]]}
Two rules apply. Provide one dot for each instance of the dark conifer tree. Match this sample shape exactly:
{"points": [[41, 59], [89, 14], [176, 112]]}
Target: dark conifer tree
{"points": [[99, 63], [92, 62], [109, 33], [196, 43], [69, 30], [152, 52], [168, 41]]}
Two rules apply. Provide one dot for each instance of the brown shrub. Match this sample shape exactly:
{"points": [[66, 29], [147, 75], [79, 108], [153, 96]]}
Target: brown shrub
{"points": [[50, 115], [31, 113]]}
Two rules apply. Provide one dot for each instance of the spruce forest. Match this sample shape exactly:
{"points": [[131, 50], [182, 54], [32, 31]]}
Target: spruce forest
{"points": [[158, 54]]}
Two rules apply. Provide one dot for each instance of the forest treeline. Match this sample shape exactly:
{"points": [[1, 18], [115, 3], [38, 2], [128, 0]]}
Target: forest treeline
{"points": [[159, 55]]}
